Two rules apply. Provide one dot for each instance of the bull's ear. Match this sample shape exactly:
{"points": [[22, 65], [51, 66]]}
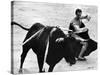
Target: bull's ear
{"points": [[59, 39]]}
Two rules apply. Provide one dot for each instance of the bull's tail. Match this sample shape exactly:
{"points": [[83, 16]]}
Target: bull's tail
{"points": [[15, 23]]}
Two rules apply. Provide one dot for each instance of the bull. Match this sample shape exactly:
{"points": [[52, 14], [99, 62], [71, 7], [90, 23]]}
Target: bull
{"points": [[50, 44]]}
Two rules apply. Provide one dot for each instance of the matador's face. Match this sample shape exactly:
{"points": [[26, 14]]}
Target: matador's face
{"points": [[79, 14]]}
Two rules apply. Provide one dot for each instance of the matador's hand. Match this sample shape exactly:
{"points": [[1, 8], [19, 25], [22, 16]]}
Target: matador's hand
{"points": [[88, 18]]}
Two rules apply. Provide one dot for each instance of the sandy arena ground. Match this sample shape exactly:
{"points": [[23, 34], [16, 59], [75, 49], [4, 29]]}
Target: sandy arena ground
{"points": [[28, 13]]}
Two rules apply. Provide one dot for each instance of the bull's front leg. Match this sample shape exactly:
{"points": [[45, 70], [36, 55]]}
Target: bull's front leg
{"points": [[51, 67]]}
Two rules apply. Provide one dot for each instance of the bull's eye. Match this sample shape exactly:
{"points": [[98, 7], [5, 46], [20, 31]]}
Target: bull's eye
{"points": [[59, 39]]}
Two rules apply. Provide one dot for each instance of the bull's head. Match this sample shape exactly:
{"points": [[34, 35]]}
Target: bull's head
{"points": [[68, 51]]}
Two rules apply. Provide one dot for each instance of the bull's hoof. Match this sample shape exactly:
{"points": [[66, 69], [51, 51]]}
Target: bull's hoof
{"points": [[42, 71], [20, 71], [72, 63], [81, 59]]}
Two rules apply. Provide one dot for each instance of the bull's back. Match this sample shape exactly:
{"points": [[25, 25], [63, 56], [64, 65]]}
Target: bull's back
{"points": [[36, 27]]}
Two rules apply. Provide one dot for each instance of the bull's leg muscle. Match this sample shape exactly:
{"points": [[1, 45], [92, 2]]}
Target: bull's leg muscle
{"points": [[23, 55]]}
